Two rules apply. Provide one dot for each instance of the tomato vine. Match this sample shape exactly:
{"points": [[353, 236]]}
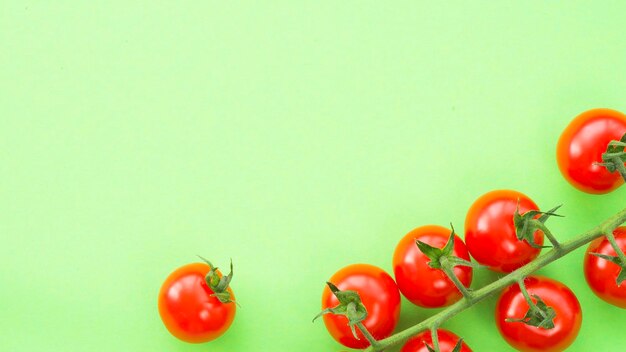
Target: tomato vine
{"points": [[432, 323]]}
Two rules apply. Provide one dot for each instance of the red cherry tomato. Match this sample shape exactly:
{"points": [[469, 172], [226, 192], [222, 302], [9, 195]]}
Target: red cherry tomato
{"points": [[379, 294], [447, 341], [418, 282], [601, 273], [490, 232], [523, 337], [581, 146], [187, 308]]}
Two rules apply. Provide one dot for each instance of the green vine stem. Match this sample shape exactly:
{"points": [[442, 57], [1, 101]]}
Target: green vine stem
{"points": [[438, 319], [448, 269], [435, 336], [367, 334], [522, 288], [549, 235]]}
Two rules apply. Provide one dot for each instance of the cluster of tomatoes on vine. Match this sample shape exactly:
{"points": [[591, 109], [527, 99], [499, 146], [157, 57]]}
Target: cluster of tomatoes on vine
{"points": [[433, 267]]}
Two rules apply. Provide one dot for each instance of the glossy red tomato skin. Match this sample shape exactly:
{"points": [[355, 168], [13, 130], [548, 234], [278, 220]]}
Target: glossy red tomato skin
{"points": [[378, 293], [447, 341], [490, 233], [582, 144], [418, 282], [187, 308], [601, 274], [567, 322]]}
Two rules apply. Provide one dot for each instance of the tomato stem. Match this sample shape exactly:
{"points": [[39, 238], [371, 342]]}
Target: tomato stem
{"points": [[549, 235], [605, 228], [524, 291], [448, 269], [435, 336], [367, 334]]}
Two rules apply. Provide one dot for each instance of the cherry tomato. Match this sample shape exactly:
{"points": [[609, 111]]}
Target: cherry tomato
{"points": [[601, 273], [418, 282], [582, 144], [490, 232], [187, 308], [523, 337], [379, 294], [447, 341]]}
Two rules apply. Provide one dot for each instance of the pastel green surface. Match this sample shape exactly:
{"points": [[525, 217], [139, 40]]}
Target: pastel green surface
{"points": [[294, 137]]}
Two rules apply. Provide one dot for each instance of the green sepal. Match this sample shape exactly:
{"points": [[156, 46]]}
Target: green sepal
{"points": [[526, 225], [541, 315], [457, 347], [614, 154], [621, 276], [219, 285], [456, 261], [350, 306], [459, 344], [435, 254]]}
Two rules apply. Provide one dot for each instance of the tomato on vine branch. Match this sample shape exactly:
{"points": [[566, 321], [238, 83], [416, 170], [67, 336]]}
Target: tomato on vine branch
{"points": [[360, 304], [604, 270], [432, 266], [584, 155], [491, 235], [196, 302], [550, 323]]}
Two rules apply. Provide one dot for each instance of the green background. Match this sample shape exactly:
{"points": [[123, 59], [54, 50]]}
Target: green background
{"points": [[294, 137]]}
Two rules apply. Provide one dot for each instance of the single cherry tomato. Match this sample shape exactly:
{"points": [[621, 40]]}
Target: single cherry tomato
{"points": [[490, 231], [447, 342], [581, 146], [418, 282], [188, 307], [523, 337], [379, 294], [601, 274]]}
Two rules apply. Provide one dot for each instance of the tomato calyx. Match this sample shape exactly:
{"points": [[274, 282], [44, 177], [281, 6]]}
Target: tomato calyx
{"points": [[527, 224], [442, 257], [219, 284], [615, 157], [539, 314], [445, 260], [350, 306]]}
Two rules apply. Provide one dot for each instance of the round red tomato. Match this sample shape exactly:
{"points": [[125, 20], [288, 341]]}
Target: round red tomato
{"points": [[418, 282], [523, 337], [601, 273], [582, 144], [379, 294], [187, 308], [490, 231], [447, 341]]}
